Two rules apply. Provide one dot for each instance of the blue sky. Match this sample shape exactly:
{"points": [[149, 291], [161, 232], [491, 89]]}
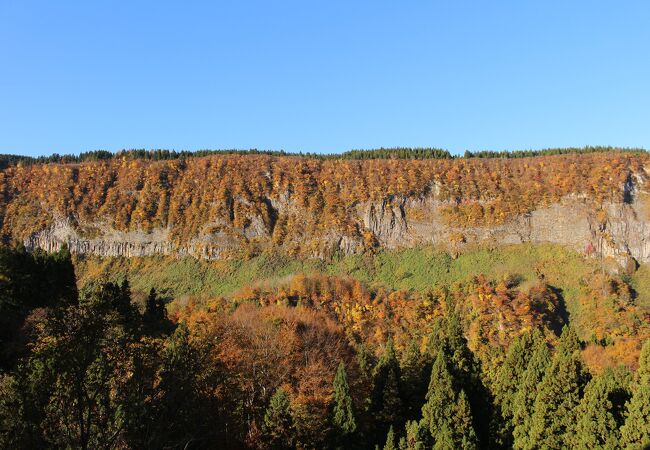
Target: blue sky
{"points": [[323, 76]]}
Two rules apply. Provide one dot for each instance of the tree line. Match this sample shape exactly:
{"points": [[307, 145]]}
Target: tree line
{"points": [[7, 160]]}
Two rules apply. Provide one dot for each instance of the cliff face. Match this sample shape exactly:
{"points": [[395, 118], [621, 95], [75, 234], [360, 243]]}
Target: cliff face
{"points": [[220, 207], [571, 222]]}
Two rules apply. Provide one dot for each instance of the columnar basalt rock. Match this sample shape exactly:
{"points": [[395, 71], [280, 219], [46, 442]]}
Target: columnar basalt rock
{"points": [[218, 207], [571, 223]]}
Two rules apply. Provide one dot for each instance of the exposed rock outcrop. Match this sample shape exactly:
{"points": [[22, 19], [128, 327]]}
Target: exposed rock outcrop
{"points": [[218, 207], [623, 232]]}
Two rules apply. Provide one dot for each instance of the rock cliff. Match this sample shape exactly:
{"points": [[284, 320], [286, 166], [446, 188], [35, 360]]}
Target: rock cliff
{"points": [[208, 209]]}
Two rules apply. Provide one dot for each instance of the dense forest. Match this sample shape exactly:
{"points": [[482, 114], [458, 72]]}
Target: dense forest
{"points": [[314, 362]]}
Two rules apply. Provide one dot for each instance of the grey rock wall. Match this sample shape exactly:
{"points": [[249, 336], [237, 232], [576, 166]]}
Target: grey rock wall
{"points": [[395, 222]]}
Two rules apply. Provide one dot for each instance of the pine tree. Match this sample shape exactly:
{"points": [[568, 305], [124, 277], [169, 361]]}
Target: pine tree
{"points": [[598, 424], [278, 422], [512, 370], [436, 340], [416, 436], [386, 403], [524, 400], [554, 418], [154, 310], [643, 372], [506, 383], [118, 298], [390, 440], [460, 358], [413, 381], [440, 397], [569, 341], [462, 426], [447, 409], [635, 434], [466, 371], [445, 439], [179, 393], [63, 276], [343, 419]]}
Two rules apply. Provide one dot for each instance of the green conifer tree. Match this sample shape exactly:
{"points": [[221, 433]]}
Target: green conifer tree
{"points": [[439, 398], [445, 439], [416, 436], [598, 425], [386, 403], [643, 372], [524, 401], [553, 421], [343, 420], [278, 422], [512, 370], [390, 440], [569, 341], [413, 381], [466, 372], [635, 433], [448, 409], [462, 424]]}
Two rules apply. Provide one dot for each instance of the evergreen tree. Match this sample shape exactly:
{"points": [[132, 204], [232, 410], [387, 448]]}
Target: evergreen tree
{"points": [[445, 439], [569, 341], [365, 361], [512, 370], [386, 403], [415, 438], [598, 421], [390, 440], [643, 372], [278, 422], [554, 418], [151, 306], [507, 380], [413, 381], [62, 282], [463, 428], [635, 433], [179, 392], [436, 340], [524, 400], [466, 371], [440, 397], [343, 420], [447, 408], [155, 314], [460, 358]]}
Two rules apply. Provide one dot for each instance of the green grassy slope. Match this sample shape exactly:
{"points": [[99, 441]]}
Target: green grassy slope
{"points": [[418, 269]]}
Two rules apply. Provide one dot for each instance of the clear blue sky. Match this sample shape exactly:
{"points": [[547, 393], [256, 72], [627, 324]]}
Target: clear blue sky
{"points": [[322, 76]]}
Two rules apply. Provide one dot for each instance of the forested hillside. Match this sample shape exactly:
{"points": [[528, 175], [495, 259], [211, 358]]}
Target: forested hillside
{"points": [[318, 362], [227, 205], [396, 299]]}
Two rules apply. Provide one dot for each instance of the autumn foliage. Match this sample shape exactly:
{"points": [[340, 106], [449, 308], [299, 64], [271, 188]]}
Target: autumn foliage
{"points": [[259, 200]]}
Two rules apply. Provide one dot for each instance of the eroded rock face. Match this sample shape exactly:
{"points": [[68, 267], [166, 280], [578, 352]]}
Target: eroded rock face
{"points": [[619, 230], [387, 221]]}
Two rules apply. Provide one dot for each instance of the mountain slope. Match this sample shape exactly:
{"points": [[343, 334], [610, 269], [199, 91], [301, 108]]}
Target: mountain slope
{"points": [[220, 206]]}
